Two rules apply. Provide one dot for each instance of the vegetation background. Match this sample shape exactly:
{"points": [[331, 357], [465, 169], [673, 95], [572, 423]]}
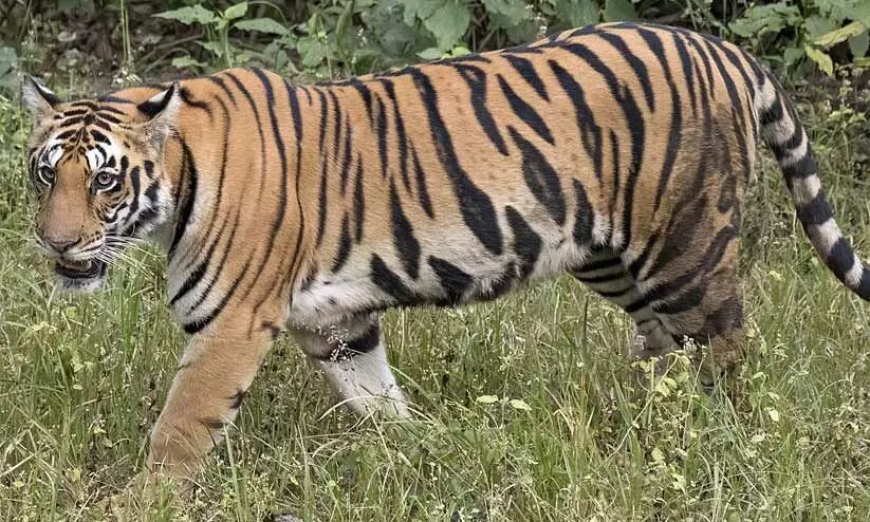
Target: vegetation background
{"points": [[528, 410]]}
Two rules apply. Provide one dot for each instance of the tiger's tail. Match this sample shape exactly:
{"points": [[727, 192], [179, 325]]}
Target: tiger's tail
{"points": [[783, 132]]}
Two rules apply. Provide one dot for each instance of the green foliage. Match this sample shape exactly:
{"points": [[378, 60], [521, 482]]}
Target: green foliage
{"points": [[335, 38], [8, 70], [217, 25], [807, 29]]}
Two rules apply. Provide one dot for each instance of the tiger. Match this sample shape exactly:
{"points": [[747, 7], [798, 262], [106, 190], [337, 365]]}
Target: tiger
{"points": [[619, 153]]}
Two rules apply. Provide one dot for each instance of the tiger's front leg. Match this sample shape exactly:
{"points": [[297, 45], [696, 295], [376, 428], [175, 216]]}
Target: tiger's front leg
{"points": [[353, 356], [214, 375]]}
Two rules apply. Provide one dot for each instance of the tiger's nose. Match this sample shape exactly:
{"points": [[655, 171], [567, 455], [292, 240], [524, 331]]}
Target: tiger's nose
{"points": [[59, 245]]}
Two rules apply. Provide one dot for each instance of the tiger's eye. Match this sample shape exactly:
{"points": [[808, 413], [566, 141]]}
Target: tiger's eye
{"points": [[104, 180], [46, 174]]}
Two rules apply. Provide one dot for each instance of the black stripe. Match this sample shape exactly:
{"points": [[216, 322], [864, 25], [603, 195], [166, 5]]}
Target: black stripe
{"points": [[527, 243], [359, 202], [635, 63], [840, 259], [422, 190], [687, 72], [109, 118], [197, 325], [614, 196], [685, 302], [336, 128], [401, 136], [136, 187], [188, 195], [344, 245], [100, 137], [637, 131], [675, 130], [382, 131], [526, 70], [197, 274], [108, 98], [366, 94], [348, 151], [590, 132], [477, 210], [109, 108], [389, 282], [281, 209], [525, 111], [297, 256], [772, 114], [103, 125], [217, 80], [606, 278], [583, 216], [322, 200], [221, 265], [221, 176], [476, 80], [324, 169], [815, 212], [321, 98], [731, 88], [601, 264], [70, 114], [801, 169], [454, 281], [705, 61], [541, 178], [187, 98], [406, 244]]}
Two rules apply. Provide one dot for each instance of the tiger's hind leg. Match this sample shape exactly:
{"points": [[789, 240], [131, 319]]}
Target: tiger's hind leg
{"points": [[708, 311], [606, 275], [704, 306], [355, 361]]}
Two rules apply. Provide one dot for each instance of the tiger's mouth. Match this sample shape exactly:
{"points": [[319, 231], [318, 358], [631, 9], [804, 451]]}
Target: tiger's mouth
{"points": [[80, 274]]}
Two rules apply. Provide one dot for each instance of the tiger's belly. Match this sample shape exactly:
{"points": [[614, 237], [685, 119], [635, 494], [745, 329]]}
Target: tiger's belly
{"points": [[447, 272]]}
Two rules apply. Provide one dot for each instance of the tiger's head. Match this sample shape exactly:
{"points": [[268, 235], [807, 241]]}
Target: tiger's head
{"points": [[96, 167]]}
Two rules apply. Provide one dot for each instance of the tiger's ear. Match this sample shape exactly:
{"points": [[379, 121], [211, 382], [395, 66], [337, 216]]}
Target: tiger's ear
{"points": [[160, 111], [38, 100]]}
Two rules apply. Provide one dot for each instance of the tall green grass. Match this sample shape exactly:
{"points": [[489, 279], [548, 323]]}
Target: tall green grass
{"points": [[566, 428]]}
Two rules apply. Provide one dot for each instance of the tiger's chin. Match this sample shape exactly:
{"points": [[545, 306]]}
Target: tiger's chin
{"points": [[81, 276]]}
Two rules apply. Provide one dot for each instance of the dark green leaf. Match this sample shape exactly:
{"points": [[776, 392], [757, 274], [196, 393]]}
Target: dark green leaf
{"points": [[262, 25], [577, 13], [236, 11], [619, 10], [448, 23], [196, 14]]}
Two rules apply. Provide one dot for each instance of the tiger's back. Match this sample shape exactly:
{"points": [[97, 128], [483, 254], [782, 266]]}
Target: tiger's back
{"points": [[618, 153]]}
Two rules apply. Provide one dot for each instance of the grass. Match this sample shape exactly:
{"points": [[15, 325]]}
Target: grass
{"points": [[587, 437]]}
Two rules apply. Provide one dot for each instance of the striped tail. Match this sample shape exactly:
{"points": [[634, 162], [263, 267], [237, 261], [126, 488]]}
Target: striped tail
{"points": [[783, 132]]}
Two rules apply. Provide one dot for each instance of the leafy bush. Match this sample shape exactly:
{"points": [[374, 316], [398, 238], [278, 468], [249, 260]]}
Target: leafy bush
{"points": [[329, 38], [787, 32]]}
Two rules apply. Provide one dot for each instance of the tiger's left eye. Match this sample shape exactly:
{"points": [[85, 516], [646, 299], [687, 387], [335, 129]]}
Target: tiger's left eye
{"points": [[104, 180], [46, 174]]}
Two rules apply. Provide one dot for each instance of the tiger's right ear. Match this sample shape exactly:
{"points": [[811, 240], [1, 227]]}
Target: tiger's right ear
{"points": [[38, 100], [160, 111]]}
